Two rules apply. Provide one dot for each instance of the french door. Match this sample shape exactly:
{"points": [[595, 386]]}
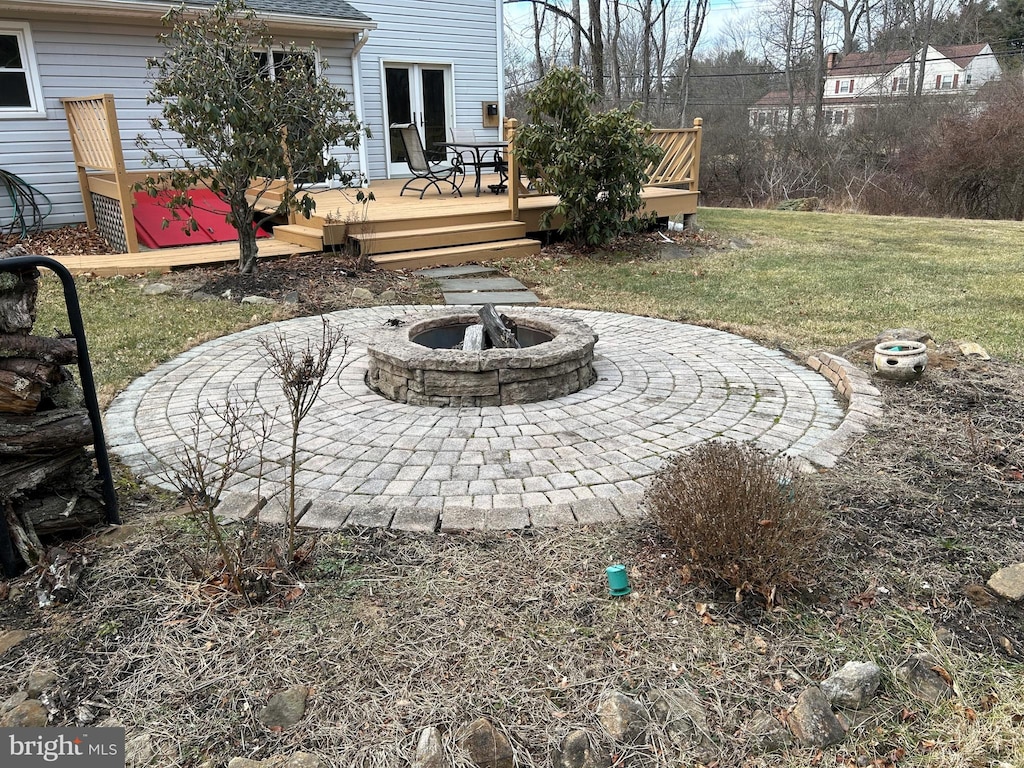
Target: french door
{"points": [[420, 94]]}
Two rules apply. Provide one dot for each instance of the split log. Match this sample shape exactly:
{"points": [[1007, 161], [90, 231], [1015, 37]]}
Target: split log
{"points": [[22, 476], [500, 329], [56, 351], [37, 434], [473, 341], [36, 370], [18, 292], [59, 581], [18, 394], [58, 514]]}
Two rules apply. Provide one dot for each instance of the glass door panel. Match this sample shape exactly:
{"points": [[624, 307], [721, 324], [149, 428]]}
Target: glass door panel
{"points": [[419, 94]]}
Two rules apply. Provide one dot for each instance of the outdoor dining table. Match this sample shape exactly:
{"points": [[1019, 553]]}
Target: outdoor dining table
{"points": [[479, 148]]}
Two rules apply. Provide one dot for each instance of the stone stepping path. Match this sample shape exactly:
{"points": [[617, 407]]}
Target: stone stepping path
{"points": [[580, 459], [469, 285]]}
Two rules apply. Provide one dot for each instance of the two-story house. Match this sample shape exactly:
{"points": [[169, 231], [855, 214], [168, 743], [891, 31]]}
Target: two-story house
{"points": [[863, 81]]}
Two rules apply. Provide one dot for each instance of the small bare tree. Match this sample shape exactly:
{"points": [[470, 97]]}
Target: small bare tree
{"points": [[302, 370]]}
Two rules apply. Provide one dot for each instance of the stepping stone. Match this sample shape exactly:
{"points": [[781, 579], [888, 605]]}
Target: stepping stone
{"points": [[482, 284], [491, 297], [465, 269]]}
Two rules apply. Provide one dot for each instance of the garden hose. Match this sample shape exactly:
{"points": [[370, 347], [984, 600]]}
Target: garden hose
{"points": [[27, 204]]}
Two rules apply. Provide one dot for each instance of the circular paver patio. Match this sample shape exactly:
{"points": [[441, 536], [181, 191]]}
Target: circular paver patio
{"points": [[583, 458]]}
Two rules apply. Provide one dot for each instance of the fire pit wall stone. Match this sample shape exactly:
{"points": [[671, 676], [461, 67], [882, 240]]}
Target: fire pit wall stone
{"points": [[402, 370]]}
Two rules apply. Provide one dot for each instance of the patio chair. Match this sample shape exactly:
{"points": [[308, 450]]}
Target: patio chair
{"points": [[479, 160], [422, 169]]}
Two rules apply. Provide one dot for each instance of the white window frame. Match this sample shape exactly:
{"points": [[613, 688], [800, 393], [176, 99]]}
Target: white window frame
{"points": [[844, 86], [270, 50], [942, 83], [20, 30]]}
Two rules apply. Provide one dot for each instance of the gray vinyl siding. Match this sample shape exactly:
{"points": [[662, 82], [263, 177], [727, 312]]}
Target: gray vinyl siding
{"points": [[463, 33], [83, 58]]}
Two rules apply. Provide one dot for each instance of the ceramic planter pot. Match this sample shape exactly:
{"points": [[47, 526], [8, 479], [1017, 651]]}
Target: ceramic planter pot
{"points": [[900, 360]]}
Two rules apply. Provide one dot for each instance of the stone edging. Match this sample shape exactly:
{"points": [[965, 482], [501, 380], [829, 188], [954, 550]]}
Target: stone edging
{"points": [[864, 406]]}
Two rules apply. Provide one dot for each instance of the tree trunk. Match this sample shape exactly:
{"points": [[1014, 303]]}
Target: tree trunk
{"points": [[241, 217], [500, 330], [597, 48]]}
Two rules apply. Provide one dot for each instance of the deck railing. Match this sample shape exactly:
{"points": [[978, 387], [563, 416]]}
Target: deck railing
{"points": [[679, 165]]}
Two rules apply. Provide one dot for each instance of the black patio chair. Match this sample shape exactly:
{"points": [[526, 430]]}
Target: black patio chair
{"points": [[422, 169]]}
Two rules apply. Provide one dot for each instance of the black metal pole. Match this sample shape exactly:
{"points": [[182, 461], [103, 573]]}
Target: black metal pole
{"points": [[74, 311]]}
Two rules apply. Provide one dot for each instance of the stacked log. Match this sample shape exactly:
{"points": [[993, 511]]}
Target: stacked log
{"points": [[48, 483]]}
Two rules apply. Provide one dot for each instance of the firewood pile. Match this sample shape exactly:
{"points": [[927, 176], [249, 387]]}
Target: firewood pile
{"points": [[48, 483]]}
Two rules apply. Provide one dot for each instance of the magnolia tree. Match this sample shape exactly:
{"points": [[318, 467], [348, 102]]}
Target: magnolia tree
{"points": [[238, 113]]}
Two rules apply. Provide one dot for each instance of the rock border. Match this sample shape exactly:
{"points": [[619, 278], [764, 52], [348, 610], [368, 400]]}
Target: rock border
{"points": [[864, 406]]}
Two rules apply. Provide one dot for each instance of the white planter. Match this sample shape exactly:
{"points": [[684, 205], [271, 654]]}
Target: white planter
{"points": [[900, 360]]}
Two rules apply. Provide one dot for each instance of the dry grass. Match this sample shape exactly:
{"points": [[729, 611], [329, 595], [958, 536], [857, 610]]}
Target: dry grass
{"points": [[392, 633]]}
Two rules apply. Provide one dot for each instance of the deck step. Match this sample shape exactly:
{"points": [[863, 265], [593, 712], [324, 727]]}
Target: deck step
{"points": [[311, 237], [457, 254], [371, 243], [386, 221]]}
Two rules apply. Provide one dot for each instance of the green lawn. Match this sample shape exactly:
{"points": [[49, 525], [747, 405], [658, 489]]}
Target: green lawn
{"points": [[819, 279], [808, 280]]}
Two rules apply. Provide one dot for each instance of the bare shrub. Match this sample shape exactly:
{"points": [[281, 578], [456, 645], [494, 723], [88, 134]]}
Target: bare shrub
{"points": [[204, 467], [302, 370], [974, 166], [739, 514]]}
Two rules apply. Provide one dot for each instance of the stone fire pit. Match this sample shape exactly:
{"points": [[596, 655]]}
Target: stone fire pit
{"points": [[414, 362]]}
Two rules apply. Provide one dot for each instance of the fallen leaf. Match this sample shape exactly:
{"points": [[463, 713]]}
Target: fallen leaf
{"points": [[941, 672]]}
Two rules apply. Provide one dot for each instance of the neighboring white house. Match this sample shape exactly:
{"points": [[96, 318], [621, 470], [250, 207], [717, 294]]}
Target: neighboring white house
{"points": [[436, 62], [861, 81]]}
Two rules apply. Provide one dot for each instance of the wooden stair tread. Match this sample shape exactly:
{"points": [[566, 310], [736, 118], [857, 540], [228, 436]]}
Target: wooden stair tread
{"points": [[457, 254], [453, 229]]}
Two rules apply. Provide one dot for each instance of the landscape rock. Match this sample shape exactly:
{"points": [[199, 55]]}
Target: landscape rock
{"points": [[291, 297], [258, 300], [10, 639], [286, 708], [1008, 582], [854, 685], [14, 700], [920, 674], [139, 751], [429, 752], [621, 717], [244, 762], [578, 750], [907, 334], [156, 289], [973, 348], [739, 244], [39, 681], [362, 294], [302, 760], [765, 733], [813, 722], [203, 296], [388, 297], [28, 714], [682, 713], [486, 746]]}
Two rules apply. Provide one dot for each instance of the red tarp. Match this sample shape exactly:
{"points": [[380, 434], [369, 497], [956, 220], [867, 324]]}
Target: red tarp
{"points": [[207, 209]]}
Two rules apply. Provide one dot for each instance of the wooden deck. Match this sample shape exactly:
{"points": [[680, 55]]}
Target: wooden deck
{"points": [[397, 232]]}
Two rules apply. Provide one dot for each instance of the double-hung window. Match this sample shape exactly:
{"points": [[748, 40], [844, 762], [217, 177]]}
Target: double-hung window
{"points": [[20, 95]]}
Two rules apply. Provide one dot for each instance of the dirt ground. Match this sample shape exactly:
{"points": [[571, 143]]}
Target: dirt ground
{"points": [[395, 632]]}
